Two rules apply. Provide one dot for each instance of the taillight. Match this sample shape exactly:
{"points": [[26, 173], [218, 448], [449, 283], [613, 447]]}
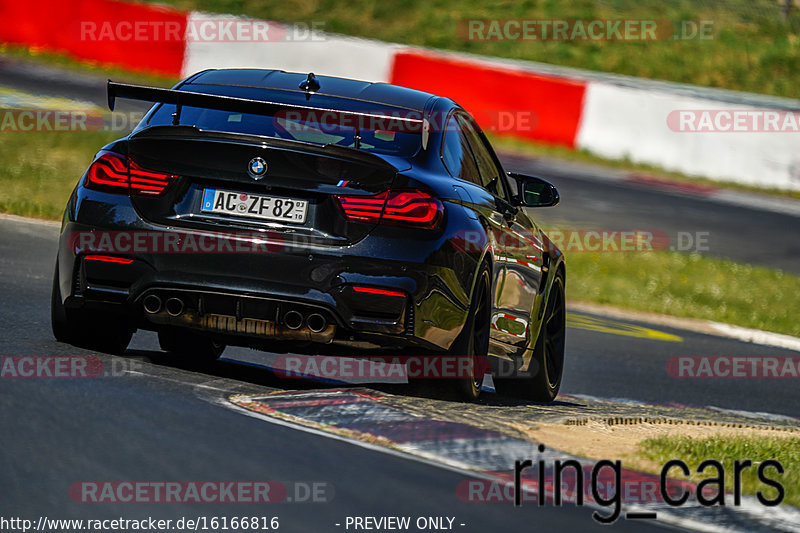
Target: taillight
{"points": [[112, 172], [109, 171], [148, 181], [399, 207], [363, 208]]}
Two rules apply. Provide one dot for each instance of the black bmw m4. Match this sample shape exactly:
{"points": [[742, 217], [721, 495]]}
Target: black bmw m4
{"points": [[303, 214]]}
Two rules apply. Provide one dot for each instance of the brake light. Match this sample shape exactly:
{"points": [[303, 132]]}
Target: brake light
{"points": [[108, 259], [363, 208], [398, 207], [112, 172], [109, 171]]}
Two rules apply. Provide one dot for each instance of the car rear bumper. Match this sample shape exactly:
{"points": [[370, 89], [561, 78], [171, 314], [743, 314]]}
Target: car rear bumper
{"points": [[245, 291]]}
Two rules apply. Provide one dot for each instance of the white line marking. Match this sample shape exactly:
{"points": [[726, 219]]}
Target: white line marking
{"points": [[756, 336], [26, 220], [639, 403], [784, 206]]}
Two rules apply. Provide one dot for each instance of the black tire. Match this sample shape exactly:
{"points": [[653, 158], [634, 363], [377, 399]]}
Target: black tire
{"points": [[474, 339], [86, 329], [542, 380], [58, 315], [190, 346]]}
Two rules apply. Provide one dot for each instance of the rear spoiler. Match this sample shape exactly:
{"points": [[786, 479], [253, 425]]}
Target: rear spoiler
{"points": [[355, 119]]}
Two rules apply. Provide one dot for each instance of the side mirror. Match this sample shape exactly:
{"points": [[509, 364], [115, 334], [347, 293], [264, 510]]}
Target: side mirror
{"points": [[535, 192]]}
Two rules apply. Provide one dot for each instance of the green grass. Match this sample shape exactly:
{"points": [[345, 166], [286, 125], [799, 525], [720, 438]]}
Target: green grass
{"points": [[39, 170], [754, 48], [728, 449], [688, 285]]}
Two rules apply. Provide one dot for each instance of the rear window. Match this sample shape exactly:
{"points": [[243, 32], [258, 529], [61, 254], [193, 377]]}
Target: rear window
{"points": [[372, 140]]}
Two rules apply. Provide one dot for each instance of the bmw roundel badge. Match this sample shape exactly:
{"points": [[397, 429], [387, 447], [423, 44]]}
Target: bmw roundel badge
{"points": [[257, 168]]}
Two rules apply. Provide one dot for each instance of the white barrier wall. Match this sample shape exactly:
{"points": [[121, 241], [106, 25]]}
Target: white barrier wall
{"points": [[619, 122], [321, 53]]}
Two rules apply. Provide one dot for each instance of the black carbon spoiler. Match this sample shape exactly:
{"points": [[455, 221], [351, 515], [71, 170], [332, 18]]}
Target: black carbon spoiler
{"points": [[355, 119]]}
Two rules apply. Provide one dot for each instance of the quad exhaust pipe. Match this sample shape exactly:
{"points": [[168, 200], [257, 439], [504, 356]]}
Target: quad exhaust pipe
{"points": [[316, 322], [174, 307], [295, 324], [293, 319], [152, 304]]}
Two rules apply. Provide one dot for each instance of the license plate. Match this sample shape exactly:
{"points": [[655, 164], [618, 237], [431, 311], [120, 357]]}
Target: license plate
{"points": [[240, 204]]}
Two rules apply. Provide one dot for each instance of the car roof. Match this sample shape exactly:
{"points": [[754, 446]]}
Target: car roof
{"points": [[335, 93]]}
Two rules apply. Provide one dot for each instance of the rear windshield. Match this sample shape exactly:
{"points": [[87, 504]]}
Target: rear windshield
{"points": [[372, 140]]}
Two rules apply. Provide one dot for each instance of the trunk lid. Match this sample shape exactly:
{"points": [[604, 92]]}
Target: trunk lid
{"points": [[214, 169]]}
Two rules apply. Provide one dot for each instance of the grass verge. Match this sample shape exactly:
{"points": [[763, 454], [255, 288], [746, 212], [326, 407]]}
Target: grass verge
{"points": [[727, 449], [688, 285], [38, 170]]}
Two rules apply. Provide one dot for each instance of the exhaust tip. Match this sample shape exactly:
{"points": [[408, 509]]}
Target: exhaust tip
{"points": [[316, 322], [174, 306], [293, 319], [152, 304]]}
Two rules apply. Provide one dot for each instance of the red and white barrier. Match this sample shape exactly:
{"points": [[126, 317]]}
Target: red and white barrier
{"points": [[638, 120], [487, 91], [134, 36]]}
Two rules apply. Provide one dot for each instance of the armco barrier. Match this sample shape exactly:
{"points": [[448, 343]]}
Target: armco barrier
{"points": [[612, 116]]}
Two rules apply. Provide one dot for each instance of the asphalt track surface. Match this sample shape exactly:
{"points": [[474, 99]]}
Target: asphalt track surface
{"points": [[592, 201], [51, 81], [163, 420], [160, 424]]}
